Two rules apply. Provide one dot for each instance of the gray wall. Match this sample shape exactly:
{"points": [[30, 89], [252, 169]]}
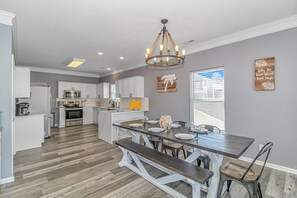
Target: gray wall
{"points": [[6, 99], [263, 115], [52, 80]]}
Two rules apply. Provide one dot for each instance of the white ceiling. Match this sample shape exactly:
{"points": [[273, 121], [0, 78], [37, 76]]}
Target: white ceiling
{"points": [[51, 32]]}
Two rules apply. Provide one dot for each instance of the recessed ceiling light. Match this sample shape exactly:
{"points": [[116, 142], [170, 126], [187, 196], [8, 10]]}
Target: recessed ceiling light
{"points": [[108, 69], [100, 53], [122, 58], [76, 62]]}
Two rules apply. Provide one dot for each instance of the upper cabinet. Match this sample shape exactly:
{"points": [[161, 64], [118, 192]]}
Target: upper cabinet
{"points": [[102, 90], [87, 90], [22, 82], [130, 87]]}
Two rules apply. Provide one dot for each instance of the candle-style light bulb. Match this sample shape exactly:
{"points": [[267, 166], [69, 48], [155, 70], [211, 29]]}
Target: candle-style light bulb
{"points": [[176, 48], [161, 47], [167, 59], [184, 52], [146, 55], [148, 50], [155, 60]]}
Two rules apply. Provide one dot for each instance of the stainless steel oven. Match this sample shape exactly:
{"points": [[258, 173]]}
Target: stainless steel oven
{"points": [[74, 116]]}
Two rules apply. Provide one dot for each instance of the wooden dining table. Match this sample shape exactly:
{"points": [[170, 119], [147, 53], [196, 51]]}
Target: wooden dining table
{"points": [[215, 145]]}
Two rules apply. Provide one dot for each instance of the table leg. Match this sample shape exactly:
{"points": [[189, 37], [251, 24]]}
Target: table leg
{"points": [[125, 159], [216, 162]]}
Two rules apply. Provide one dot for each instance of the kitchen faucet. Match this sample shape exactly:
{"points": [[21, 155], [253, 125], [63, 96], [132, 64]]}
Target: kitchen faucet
{"points": [[111, 101]]}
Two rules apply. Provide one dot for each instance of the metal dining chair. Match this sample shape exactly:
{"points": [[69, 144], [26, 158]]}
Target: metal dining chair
{"points": [[204, 158], [175, 148], [234, 170]]}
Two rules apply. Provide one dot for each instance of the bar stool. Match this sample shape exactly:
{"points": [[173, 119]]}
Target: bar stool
{"points": [[204, 158]]}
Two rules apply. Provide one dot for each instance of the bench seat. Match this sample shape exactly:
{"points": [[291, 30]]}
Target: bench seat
{"points": [[179, 166]]}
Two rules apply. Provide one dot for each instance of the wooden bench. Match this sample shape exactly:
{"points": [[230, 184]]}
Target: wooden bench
{"points": [[179, 169]]}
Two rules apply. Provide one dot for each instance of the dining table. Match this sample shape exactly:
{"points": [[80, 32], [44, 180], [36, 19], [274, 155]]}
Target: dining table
{"points": [[215, 145]]}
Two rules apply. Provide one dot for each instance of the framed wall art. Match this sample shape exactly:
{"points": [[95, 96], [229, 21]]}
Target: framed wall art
{"points": [[265, 74], [166, 83]]}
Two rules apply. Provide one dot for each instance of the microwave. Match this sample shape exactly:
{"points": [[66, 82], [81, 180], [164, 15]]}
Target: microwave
{"points": [[72, 94]]}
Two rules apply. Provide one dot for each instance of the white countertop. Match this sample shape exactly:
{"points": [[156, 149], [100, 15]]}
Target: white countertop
{"points": [[31, 114]]}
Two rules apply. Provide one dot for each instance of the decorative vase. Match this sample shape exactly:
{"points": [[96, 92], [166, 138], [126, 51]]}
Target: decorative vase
{"points": [[165, 122]]}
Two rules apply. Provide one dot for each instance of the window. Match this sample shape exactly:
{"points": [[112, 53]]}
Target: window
{"points": [[112, 91], [207, 97]]}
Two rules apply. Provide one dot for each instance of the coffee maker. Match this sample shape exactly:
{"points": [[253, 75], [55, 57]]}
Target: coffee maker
{"points": [[22, 109]]}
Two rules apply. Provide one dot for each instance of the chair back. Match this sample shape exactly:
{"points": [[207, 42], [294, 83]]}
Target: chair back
{"points": [[182, 123], [265, 150], [209, 128]]}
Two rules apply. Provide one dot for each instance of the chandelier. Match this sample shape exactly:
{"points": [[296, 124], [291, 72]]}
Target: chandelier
{"points": [[168, 55]]}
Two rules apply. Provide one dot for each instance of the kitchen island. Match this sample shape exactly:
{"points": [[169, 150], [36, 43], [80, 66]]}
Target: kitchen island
{"points": [[106, 118]]}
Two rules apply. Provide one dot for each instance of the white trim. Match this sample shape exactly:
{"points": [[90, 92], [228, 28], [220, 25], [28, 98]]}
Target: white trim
{"points": [[126, 69], [59, 71], [6, 17], [260, 30], [270, 165], [6, 180]]}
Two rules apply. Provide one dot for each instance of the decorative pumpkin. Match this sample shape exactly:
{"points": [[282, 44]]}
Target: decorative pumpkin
{"points": [[165, 122]]}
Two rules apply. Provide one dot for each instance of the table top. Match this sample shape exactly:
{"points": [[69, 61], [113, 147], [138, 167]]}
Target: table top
{"points": [[225, 144]]}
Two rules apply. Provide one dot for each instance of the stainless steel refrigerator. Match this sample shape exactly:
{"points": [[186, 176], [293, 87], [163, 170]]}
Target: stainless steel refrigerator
{"points": [[40, 102]]}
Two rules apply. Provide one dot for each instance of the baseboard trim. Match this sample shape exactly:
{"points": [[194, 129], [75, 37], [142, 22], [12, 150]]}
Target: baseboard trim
{"points": [[270, 165], [6, 180]]}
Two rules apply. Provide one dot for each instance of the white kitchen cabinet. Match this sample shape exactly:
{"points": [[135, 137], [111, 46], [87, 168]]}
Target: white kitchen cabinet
{"points": [[118, 88], [22, 82], [29, 131], [102, 90], [137, 86], [88, 115], [62, 117], [130, 87], [95, 116], [88, 90]]}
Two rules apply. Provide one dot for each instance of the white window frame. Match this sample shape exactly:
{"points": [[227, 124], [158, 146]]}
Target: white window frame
{"points": [[192, 90]]}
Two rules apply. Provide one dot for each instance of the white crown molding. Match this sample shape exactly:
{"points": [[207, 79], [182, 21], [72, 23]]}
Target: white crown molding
{"points": [[119, 71], [270, 165], [6, 17], [59, 71], [6, 180], [260, 30]]}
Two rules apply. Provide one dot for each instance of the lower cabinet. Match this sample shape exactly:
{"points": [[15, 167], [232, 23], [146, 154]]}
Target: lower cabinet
{"points": [[107, 132], [88, 115], [29, 131], [95, 115], [62, 115]]}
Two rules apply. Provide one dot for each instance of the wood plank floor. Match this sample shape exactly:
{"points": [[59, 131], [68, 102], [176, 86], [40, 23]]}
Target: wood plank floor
{"points": [[75, 163]]}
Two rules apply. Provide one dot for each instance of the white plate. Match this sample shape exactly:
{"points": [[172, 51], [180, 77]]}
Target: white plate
{"points": [[184, 136], [175, 126], [155, 130], [135, 125], [152, 121]]}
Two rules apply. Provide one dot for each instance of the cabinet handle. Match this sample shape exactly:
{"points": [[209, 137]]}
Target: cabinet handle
{"points": [[130, 95]]}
